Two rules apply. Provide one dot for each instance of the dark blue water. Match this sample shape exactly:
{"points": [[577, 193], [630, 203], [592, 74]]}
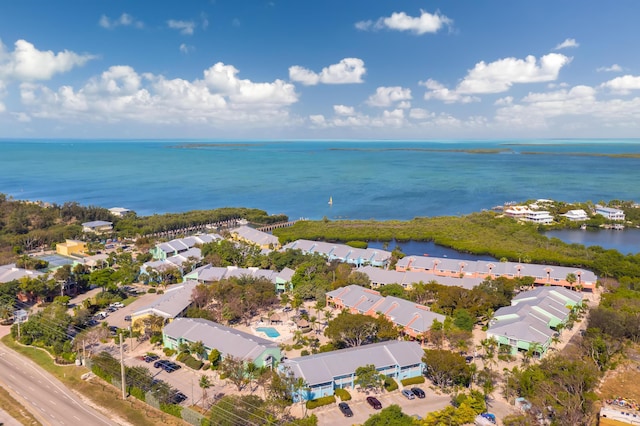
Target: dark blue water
{"points": [[626, 241], [367, 180], [426, 248]]}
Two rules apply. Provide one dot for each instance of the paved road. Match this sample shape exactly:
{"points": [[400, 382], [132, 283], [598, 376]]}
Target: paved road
{"points": [[44, 395]]}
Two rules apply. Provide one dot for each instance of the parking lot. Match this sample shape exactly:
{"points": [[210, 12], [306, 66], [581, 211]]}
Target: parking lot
{"points": [[331, 415]]}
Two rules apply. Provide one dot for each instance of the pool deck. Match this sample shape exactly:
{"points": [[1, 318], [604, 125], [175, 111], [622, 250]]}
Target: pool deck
{"points": [[286, 330]]}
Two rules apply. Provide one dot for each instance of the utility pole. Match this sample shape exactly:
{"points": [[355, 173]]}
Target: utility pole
{"points": [[84, 353], [123, 379]]}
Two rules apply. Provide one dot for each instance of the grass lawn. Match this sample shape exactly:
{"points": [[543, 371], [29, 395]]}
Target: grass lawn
{"points": [[132, 411]]}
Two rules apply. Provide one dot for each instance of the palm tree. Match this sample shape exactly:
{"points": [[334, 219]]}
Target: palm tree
{"points": [[197, 349], [204, 383]]}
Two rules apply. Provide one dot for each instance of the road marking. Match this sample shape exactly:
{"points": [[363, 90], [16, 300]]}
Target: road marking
{"points": [[12, 376], [77, 418], [52, 402]]}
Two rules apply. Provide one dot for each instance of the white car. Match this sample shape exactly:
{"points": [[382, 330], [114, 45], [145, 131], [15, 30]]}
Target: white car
{"points": [[117, 305]]}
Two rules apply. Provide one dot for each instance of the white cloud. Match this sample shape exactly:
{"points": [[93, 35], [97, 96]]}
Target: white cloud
{"points": [[125, 20], [348, 70], [404, 105], [26, 63], [498, 77], [387, 96], [507, 100], [343, 110], [569, 42], [185, 48], [318, 120], [420, 114], [623, 85], [185, 27], [122, 94], [441, 93], [400, 21], [612, 68]]}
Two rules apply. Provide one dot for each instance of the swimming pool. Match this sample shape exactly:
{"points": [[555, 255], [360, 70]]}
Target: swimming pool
{"points": [[269, 331]]}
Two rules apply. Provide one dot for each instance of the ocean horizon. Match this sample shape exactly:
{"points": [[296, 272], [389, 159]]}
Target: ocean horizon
{"points": [[382, 180]]}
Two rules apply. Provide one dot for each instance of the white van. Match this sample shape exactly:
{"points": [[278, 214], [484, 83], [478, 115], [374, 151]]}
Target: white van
{"points": [[102, 315]]}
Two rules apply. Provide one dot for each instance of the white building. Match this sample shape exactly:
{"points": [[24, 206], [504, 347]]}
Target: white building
{"points": [[541, 216], [610, 213], [576, 215], [119, 211]]}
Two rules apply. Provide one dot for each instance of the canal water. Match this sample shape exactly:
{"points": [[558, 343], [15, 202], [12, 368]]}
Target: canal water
{"points": [[428, 248], [626, 241]]}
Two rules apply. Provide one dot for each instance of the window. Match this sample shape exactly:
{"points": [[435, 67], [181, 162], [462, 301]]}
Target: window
{"points": [[513, 342]]}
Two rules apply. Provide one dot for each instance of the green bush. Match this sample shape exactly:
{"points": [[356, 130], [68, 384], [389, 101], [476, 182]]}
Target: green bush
{"points": [[182, 356], [358, 244], [206, 366], [412, 381], [343, 394], [298, 346], [390, 384], [193, 363], [169, 351], [151, 290], [325, 400], [137, 393], [174, 410], [304, 352]]}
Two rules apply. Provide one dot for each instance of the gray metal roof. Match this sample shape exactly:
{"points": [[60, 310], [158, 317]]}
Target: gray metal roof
{"points": [[379, 276], [97, 223], [340, 251], [174, 300], [324, 367], [227, 340], [255, 236], [10, 273]]}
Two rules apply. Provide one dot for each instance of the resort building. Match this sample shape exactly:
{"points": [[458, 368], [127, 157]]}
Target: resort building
{"points": [[180, 245], [254, 237], [97, 261], [576, 215], [610, 213], [172, 304], [413, 319], [97, 226], [71, 248], [517, 212], [379, 277], [342, 252], [542, 274], [189, 258], [10, 273], [120, 211], [210, 274], [323, 373], [533, 319], [228, 341]]}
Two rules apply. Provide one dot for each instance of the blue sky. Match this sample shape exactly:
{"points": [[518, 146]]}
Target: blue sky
{"points": [[326, 69]]}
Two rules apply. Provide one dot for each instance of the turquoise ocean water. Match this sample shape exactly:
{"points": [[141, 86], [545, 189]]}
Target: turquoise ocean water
{"points": [[381, 180]]}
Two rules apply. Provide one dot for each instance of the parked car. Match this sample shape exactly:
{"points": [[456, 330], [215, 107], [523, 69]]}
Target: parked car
{"points": [[468, 359], [287, 309], [127, 317], [150, 358], [170, 367], [408, 394], [418, 392], [345, 409], [117, 305], [160, 363], [373, 401], [177, 398]]}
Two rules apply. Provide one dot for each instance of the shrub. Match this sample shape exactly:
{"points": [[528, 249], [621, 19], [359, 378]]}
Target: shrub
{"points": [[182, 356], [343, 394], [390, 384], [325, 400], [174, 410], [304, 352], [137, 393], [168, 351], [412, 381], [151, 290], [298, 346], [206, 366], [193, 363], [358, 244]]}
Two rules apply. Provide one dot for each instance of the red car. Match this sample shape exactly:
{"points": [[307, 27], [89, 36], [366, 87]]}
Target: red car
{"points": [[373, 401]]}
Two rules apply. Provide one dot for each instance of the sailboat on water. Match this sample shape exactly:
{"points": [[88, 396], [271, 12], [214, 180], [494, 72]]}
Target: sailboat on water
{"points": [[330, 201]]}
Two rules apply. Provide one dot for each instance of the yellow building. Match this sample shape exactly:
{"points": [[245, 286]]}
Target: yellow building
{"points": [[71, 247]]}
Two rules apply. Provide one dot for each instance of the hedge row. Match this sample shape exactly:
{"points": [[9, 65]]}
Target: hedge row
{"points": [[390, 384], [190, 361], [325, 400], [343, 394], [412, 380]]}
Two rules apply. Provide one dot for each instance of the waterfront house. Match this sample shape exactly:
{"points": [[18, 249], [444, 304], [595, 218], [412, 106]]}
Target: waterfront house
{"points": [[120, 211], [97, 226], [254, 237], [180, 245], [323, 373], [539, 216], [379, 277], [576, 215], [71, 248], [413, 319], [170, 305], [533, 319], [228, 341], [610, 213], [342, 252], [542, 274]]}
